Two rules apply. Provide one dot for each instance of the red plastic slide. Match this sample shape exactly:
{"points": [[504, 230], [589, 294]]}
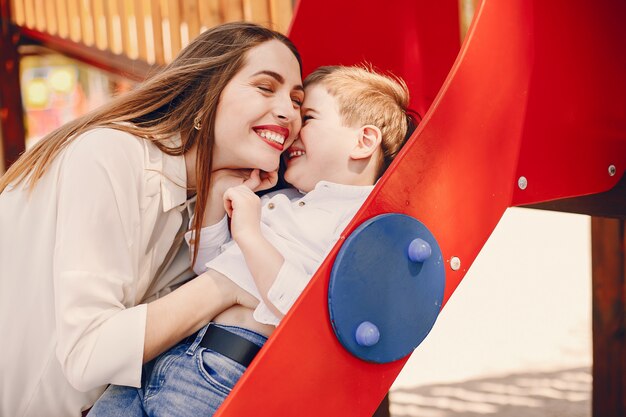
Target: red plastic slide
{"points": [[533, 109]]}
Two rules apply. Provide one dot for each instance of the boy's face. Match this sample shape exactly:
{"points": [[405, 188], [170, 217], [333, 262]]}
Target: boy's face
{"points": [[322, 151]]}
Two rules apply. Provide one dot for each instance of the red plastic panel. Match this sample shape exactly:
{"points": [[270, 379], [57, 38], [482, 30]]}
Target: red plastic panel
{"points": [[415, 39], [496, 110], [575, 124]]}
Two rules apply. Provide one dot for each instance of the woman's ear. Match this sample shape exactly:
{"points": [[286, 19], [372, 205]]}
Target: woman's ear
{"points": [[369, 138]]}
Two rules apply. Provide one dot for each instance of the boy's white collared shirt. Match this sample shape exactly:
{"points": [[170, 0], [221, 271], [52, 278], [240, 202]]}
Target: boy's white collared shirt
{"points": [[302, 227]]}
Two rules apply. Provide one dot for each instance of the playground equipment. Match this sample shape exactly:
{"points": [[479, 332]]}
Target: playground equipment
{"points": [[533, 110]]}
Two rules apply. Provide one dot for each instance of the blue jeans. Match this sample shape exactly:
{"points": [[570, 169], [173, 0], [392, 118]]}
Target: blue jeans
{"points": [[187, 380]]}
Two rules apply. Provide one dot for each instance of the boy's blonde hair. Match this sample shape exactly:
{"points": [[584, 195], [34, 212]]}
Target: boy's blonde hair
{"points": [[367, 97]]}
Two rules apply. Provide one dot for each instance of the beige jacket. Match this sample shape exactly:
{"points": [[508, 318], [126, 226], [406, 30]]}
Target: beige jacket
{"points": [[77, 257]]}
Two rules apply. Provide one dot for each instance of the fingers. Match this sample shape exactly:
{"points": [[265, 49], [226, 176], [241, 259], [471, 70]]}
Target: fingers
{"points": [[228, 202], [268, 180], [246, 299], [261, 180], [254, 181]]}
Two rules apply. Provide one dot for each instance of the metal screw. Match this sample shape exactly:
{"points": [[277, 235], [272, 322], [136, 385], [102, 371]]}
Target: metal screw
{"points": [[522, 183], [455, 263], [612, 170]]}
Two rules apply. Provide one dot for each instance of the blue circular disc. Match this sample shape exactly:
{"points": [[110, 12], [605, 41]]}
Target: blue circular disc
{"points": [[373, 280]]}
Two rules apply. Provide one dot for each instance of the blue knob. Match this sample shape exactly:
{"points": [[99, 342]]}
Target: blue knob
{"points": [[367, 334], [419, 250]]}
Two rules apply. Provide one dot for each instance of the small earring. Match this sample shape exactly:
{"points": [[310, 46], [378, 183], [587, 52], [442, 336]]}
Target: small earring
{"points": [[196, 123]]}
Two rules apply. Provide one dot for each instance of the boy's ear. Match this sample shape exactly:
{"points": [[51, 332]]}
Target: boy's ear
{"points": [[369, 138]]}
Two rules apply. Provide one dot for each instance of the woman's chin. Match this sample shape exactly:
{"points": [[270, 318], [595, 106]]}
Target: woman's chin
{"points": [[267, 163], [269, 167]]}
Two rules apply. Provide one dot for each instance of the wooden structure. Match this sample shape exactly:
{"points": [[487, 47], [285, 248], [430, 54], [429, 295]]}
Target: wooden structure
{"points": [[508, 44], [609, 316], [151, 31]]}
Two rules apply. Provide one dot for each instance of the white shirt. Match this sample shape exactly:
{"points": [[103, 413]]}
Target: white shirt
{"points": [[302, 227], [76, 258]]}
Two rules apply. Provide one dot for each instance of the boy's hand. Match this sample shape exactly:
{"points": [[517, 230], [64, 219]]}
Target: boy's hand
{"points": [[244, 209]]}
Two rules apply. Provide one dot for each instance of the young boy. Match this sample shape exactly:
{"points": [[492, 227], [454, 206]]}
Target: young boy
{"points": [[354, 123]]}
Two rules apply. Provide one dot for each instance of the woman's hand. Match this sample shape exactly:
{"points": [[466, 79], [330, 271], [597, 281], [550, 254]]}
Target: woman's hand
{"points": [[223, 179], [261, 180], [217, 293], [254, 179], [244, 209], [229, 293]]}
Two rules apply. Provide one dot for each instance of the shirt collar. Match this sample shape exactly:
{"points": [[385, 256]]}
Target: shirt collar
{"points": [[343, 190]]}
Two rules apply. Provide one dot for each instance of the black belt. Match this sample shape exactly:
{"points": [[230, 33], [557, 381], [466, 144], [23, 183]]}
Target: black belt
{"points": [[231, 345]]}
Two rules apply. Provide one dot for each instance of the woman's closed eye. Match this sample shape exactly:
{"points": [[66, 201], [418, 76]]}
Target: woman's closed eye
{"points": [[297, 101], [305, 118], [266, 88]]}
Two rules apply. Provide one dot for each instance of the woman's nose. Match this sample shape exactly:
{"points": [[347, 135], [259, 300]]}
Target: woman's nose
{"points": [[285, 110]]}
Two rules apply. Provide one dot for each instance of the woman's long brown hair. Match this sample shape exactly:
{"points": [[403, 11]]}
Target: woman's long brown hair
{"points": [[164, 105]]}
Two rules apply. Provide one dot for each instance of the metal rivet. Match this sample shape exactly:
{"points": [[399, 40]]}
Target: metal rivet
{"points": [[367, 334], [270, 206], [522, 183], [455, 263], [302, 203], [612, 170]]}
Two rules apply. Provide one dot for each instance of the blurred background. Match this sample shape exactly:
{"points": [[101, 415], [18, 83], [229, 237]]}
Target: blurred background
{"points": [[75, 54]]}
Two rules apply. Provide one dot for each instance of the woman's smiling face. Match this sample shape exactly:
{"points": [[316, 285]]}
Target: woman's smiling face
{"points": [[258, 114]]}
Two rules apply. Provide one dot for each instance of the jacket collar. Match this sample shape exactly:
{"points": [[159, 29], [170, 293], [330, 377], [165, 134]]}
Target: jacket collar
{"points": [[173, 173]]}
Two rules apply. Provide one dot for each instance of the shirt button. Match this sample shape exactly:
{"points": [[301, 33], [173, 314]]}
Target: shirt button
{"points": [[270, 206], [301, 203]]}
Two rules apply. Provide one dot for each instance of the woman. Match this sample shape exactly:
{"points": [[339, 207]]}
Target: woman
{"points": [[93, 216]]}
